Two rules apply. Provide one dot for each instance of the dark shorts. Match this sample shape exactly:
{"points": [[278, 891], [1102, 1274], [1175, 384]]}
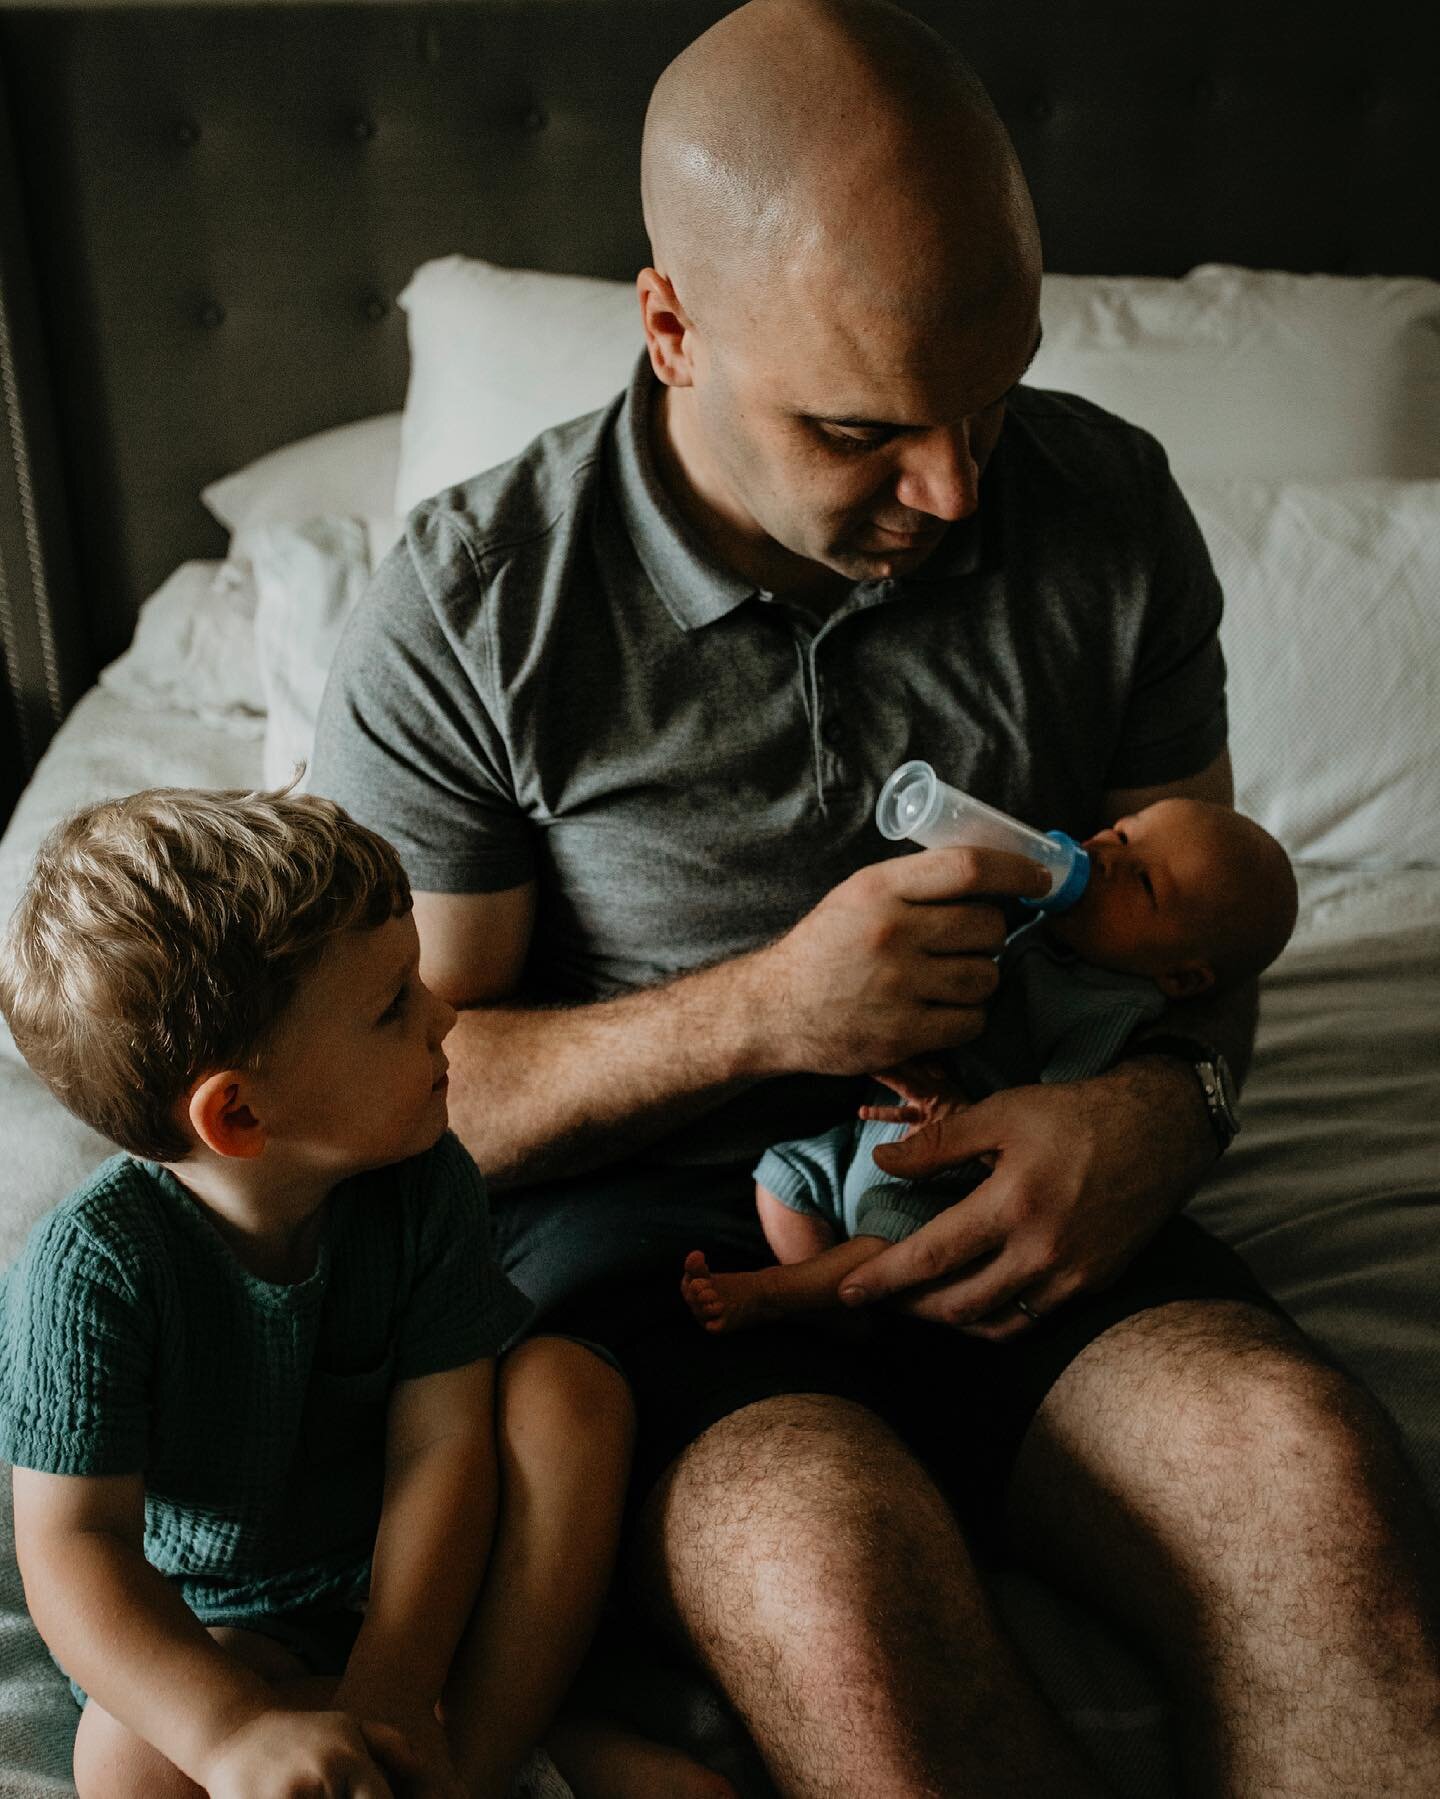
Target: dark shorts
{"points": [[602, 1258]]}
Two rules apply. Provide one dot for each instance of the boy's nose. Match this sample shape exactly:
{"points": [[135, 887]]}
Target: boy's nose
{"points": [[444, 1016]]}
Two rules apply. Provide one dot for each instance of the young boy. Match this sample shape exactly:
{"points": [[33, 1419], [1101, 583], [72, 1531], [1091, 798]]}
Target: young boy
{"points": [[1183, 898], [248, 1372]]}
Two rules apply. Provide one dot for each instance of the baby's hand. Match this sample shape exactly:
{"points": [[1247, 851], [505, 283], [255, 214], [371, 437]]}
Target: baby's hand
{"points": [[283, 1755], [927, 1090]]}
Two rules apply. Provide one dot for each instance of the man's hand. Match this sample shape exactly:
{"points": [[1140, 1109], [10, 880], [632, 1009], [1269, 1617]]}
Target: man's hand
{"points": [[897, 960], [295, 1755], [1084, 1173]]}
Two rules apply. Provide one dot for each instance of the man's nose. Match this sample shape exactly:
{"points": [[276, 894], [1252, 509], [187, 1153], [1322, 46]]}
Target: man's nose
{"points": [[940, 475]]}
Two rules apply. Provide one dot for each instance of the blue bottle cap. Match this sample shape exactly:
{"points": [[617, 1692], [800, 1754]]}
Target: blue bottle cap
{"points": [[1076, 879]]}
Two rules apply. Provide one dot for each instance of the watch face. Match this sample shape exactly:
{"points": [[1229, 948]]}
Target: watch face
{"points": [[1221, 1096]]}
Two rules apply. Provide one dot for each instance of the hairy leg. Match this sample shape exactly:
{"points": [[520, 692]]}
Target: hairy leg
{"points": [[817, 1573], [736, 1301], [111, 1762], [1244, 1507]]}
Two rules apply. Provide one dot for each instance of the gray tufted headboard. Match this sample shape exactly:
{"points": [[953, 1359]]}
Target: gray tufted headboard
{"points": [[206, 214]]}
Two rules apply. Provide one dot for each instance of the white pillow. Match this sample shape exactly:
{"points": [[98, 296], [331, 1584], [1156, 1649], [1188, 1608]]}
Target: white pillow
{"points": [[348, 472], [1332, 637], [499, 355], [1242, 372], [308, 578], [194, 650], [1238, 372]]}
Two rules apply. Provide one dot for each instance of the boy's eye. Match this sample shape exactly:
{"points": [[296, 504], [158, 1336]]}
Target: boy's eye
{"points": [[1148, 885], [395, 1008]]}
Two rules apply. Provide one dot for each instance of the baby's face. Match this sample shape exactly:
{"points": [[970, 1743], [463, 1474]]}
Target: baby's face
{"points": [[1150, 875]]}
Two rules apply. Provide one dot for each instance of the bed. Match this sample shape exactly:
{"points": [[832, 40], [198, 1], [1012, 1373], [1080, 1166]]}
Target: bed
{"points": [[409, 228]]}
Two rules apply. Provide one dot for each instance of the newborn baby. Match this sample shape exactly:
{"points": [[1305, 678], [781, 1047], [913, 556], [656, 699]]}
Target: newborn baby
{"points": [[1183, 898]]}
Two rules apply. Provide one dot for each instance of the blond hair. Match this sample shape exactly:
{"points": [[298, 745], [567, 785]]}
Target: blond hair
{"points": [[161, 936]]}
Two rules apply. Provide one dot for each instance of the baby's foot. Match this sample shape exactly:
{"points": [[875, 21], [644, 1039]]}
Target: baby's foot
{"points": [[604, 1761], [725, 1302]]}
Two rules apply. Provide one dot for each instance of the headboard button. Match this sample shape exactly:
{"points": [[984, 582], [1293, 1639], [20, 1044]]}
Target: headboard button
{"points": [[362, 130], [1042, 107], [212, 315], [187, 134], [375, 309], [535, 120]]}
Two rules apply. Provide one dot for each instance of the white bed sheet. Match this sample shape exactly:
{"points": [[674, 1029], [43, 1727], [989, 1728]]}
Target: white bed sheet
{"points": [[1332, 1192]]}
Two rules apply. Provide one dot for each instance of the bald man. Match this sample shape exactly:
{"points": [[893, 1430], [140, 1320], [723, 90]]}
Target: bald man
{"points": [[624, 705]]}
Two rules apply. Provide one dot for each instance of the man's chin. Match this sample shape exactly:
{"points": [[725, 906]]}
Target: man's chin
{"points": [[867, 563]]}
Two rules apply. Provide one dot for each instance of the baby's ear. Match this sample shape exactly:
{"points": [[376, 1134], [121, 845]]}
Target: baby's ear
{"points": [[221, 1118], [1188, 981]]}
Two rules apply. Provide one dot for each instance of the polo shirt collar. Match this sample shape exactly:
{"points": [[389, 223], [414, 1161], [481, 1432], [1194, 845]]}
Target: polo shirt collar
{"points": [[695, 588]]}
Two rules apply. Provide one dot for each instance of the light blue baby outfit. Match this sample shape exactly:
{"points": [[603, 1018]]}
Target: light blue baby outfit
{"points": [[1053, 1018], [132, 1341]]}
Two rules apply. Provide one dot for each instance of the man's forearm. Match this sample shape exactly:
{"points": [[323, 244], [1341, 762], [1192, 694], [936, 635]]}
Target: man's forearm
{"points": [[542, 1092], [1226, 1020], [1168, 1088]]}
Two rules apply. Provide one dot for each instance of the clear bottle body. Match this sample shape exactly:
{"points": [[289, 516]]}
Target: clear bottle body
{"points": [[916, 804]]}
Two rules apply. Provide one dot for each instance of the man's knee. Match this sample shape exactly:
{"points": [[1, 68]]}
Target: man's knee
{"points": [[1225, 1410], [810, 1484]]}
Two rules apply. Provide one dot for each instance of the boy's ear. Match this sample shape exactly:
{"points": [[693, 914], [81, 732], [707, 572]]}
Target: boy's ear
{"points": [[221, 1117], [1188, 981]]}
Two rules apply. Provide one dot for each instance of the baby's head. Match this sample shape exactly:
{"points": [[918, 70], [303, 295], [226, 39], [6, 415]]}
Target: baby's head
{"points": [[172, 936], [1192, 894]]}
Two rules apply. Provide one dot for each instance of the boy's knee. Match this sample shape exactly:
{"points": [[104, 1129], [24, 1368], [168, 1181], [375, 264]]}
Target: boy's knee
{"points": [[566, 1384]]}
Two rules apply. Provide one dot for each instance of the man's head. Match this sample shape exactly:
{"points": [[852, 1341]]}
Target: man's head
{"points": [[1192, 894], [185, 961], [845, 285]]}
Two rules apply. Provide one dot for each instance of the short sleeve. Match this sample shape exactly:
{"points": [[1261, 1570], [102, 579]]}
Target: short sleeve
{"points": [[76, 1347], [1175, 721], [460, 1305], [405, 740]]}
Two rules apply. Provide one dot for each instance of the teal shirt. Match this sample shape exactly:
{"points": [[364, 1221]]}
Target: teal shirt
{"points": [[132, 1341]]}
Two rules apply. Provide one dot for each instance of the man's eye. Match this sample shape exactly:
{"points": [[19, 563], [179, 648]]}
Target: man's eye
{"points": [[394, 1009], [1147, 884], [856, 442]]}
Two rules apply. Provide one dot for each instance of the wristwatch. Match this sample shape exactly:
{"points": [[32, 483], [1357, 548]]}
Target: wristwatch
{"points": [[1217, 1084]]}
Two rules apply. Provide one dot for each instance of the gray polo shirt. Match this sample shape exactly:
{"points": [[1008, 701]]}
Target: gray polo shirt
{"points": [[551, 680]]}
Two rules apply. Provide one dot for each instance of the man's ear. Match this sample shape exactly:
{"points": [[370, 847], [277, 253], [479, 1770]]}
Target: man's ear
{"points": [[666, 327], [220, 1115], [1188, 981]]}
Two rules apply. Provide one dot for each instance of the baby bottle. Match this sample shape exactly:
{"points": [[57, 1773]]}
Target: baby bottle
{"points": [[917, 804]]}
